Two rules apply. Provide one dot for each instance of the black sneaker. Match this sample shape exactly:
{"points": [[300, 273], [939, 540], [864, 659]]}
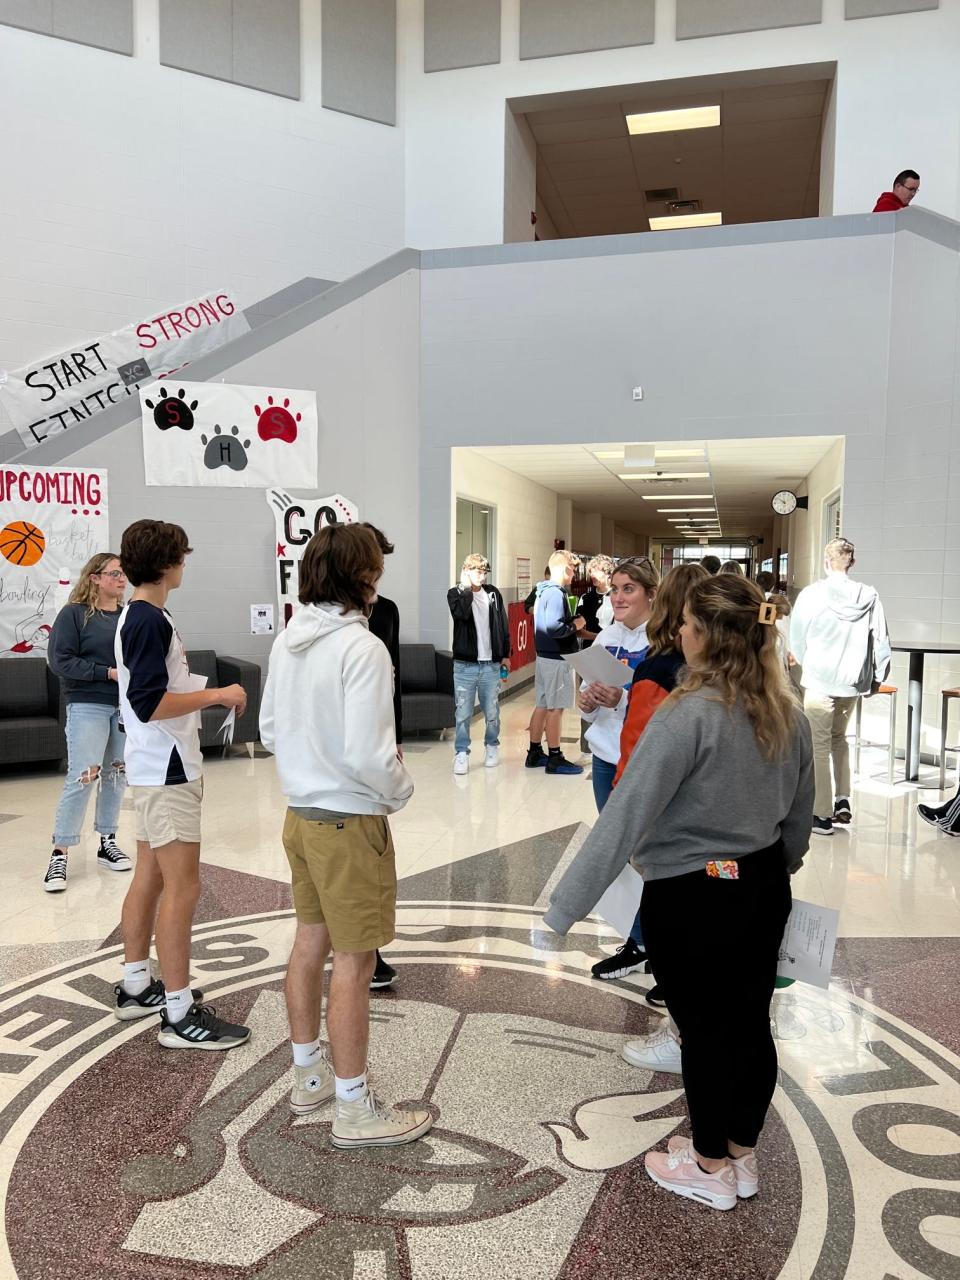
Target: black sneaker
{"points": [[934, 814], [536, 758], [55, 881], [560, 764], [111, 856], [150, 1000], [201, 1029], [627, 959], [842, 811], [383, 974], [822, 826], [655, 998]]}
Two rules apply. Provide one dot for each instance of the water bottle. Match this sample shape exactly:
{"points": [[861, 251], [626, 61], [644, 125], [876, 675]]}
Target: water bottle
{"points": [[503, 672]]}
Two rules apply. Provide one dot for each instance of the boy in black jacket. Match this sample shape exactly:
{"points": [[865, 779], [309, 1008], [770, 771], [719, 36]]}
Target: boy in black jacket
{"points": [[481, 645]]}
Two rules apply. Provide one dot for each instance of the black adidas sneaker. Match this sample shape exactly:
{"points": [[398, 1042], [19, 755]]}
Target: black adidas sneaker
{"points": [[201, 1029], [150, 1000]]}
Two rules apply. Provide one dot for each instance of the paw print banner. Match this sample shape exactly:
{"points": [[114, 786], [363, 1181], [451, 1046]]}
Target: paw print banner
{"points": [[51, 522], [212, 434]]}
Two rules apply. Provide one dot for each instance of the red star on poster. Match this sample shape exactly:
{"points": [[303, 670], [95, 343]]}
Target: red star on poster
{"points": [[281, 550]]}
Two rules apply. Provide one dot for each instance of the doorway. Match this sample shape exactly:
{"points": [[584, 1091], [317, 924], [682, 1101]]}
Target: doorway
{"points": [[474, 530]]}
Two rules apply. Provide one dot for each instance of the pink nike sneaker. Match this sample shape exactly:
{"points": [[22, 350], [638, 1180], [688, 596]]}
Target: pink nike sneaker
{"points": [[678, 1171], [744, 1168]]}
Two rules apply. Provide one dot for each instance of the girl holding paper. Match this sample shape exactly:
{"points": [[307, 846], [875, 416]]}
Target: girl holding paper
{"points": [[714, 810]]}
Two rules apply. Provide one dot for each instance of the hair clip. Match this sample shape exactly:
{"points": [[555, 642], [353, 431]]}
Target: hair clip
{"points": [[767, 614]]}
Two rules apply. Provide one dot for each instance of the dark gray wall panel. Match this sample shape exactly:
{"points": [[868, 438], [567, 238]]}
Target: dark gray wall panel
{"points": [[460, 33], [266, 45], [104, 24], [359, 59], [197, 37], [880, 8], [552, 27], [725, 17]]}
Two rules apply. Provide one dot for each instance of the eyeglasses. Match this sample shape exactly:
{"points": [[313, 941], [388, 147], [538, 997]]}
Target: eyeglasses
{"points": [[113, 573]]}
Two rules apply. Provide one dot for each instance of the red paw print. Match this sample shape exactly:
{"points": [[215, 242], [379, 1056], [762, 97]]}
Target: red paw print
{"points": [[276, 422]]}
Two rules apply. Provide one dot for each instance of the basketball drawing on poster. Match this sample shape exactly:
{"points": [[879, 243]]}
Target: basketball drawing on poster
{"points": [[297, 520], [53, 521], [213, 434]]}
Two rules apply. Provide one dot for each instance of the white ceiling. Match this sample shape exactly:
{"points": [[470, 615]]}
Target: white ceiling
{"points": [[761, 164], [743, 477]]}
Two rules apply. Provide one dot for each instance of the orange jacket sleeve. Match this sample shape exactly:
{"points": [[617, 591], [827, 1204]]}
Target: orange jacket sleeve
{"points": [[645, 696]]}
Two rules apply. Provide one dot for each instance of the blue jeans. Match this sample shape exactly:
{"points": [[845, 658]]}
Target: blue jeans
{"points": [[470, 681], [603, 775], [94, 742]]}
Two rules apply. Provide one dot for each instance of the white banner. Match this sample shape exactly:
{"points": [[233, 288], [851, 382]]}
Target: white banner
{"points": [[51, 522], [297, 520], [57, 392], [209, 433]]}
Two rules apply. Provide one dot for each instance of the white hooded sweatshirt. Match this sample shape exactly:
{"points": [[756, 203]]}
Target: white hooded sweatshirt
{"points": [[629, 646], [327, 715], [830, 630]]}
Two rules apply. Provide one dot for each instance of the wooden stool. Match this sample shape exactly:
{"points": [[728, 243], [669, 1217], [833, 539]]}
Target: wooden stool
{"points": [[945, 696], [888, 690]]}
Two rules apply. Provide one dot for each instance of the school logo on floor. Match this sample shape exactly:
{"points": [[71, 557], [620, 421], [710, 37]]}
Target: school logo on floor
{"points": [[165, 1164]]}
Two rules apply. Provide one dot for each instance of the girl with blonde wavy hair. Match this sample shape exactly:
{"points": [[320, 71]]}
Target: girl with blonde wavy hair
{"points": [[714, 810], [81, 655]]}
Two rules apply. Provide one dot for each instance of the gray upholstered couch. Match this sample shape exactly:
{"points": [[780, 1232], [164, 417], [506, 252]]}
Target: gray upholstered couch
{"points": [[426, 688], [31, 715], [221, 671]]}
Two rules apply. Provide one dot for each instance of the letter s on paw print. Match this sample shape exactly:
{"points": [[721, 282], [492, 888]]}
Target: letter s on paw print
{"points": [[276, 422], [172, 411], [225, 451]]}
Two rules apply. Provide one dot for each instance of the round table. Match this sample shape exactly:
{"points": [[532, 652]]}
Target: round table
{"points": [[918, 650]]}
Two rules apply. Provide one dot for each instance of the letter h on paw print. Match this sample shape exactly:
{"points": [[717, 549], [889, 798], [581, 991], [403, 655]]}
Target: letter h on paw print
{"points": [[225, 451]]}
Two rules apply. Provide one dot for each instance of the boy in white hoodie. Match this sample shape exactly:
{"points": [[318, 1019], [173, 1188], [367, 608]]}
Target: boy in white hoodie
{"points": [[838, 635], [327, 715]]}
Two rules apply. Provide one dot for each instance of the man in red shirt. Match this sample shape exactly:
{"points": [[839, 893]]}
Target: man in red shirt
{"points": [[905, 187]]}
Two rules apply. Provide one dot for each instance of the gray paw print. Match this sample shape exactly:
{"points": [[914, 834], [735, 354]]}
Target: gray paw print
{"points": [[225, 451]]}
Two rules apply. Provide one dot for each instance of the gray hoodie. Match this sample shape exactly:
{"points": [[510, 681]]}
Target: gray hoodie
{"points": [[697, 788], [838, 634]]}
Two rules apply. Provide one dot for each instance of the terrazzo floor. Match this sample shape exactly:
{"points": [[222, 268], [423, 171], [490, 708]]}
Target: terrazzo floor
{"points": [[117, 1160]]}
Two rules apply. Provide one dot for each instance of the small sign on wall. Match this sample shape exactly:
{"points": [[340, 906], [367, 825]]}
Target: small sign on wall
{"points": [[261, 619]]}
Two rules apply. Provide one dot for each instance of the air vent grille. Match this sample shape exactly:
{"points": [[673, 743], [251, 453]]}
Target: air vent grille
{"points": [[659, 194]]}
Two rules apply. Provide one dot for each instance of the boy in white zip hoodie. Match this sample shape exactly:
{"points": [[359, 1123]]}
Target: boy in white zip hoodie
{"points": [[327, 715], [838, 635]]}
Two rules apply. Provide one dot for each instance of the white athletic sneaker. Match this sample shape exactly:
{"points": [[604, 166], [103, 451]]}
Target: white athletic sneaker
{"points": [[657, 1052], [492, 757], [371, 1123], [461, 762]]}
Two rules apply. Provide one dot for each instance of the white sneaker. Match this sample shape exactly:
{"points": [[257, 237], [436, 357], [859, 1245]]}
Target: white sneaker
{"points": [[371, 1123], [313, 1087], [492, 757], [461, 762], [657, 1052]]}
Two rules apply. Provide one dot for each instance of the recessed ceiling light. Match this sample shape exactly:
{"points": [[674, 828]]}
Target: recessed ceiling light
{"points": [[675, 497], [679, 453], [673, 121], [675, 221], [669, 475]]}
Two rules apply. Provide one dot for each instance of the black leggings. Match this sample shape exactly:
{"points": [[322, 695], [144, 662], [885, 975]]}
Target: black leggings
{"points": [[713, 946]]}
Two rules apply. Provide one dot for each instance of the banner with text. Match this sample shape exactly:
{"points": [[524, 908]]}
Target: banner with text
{"points": [[52, 522], [57, 392], [297, 520], [210, 433]]}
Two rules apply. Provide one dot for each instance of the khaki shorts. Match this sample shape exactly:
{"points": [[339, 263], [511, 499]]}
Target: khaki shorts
{"points": [[344, 876], [553, 684], [165, 814]]}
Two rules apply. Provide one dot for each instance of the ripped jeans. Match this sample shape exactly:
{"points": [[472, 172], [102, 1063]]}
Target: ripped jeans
{"points": [[94, 757]]}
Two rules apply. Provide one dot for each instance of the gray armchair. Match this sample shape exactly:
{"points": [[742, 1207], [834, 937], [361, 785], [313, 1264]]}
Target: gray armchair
{"points": [[31, 714], [221, 671], [426, 688]]}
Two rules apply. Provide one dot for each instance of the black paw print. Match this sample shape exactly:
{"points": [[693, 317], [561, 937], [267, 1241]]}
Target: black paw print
{"points": [[172, 411], [225, 451]]}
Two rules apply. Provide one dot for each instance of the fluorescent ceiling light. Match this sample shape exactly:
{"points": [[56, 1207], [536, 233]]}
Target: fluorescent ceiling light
{"points": [[677, 220], [672, 121], [669, 475], [675, 497], [679, 453], [682, 510]]}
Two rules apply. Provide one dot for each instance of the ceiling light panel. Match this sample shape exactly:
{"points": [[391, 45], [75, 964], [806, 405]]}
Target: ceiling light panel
{"points": [[675, 497], [677, 221], [669, 475], [673, 121]]}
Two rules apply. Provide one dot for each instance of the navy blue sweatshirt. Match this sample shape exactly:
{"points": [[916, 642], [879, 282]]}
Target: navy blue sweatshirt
{"points": [[553, 627], [80, 654]]}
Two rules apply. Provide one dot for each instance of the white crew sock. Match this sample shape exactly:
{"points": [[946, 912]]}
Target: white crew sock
{"points": [[351, 1090], [178, 1004], [306, 1055], [136, 977]]}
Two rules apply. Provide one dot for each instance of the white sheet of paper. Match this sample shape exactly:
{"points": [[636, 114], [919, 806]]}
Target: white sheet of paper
{"points": [[620, 903], [194, 684], [261, 619], [809, 941], [598, 665], [228, 726]]}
